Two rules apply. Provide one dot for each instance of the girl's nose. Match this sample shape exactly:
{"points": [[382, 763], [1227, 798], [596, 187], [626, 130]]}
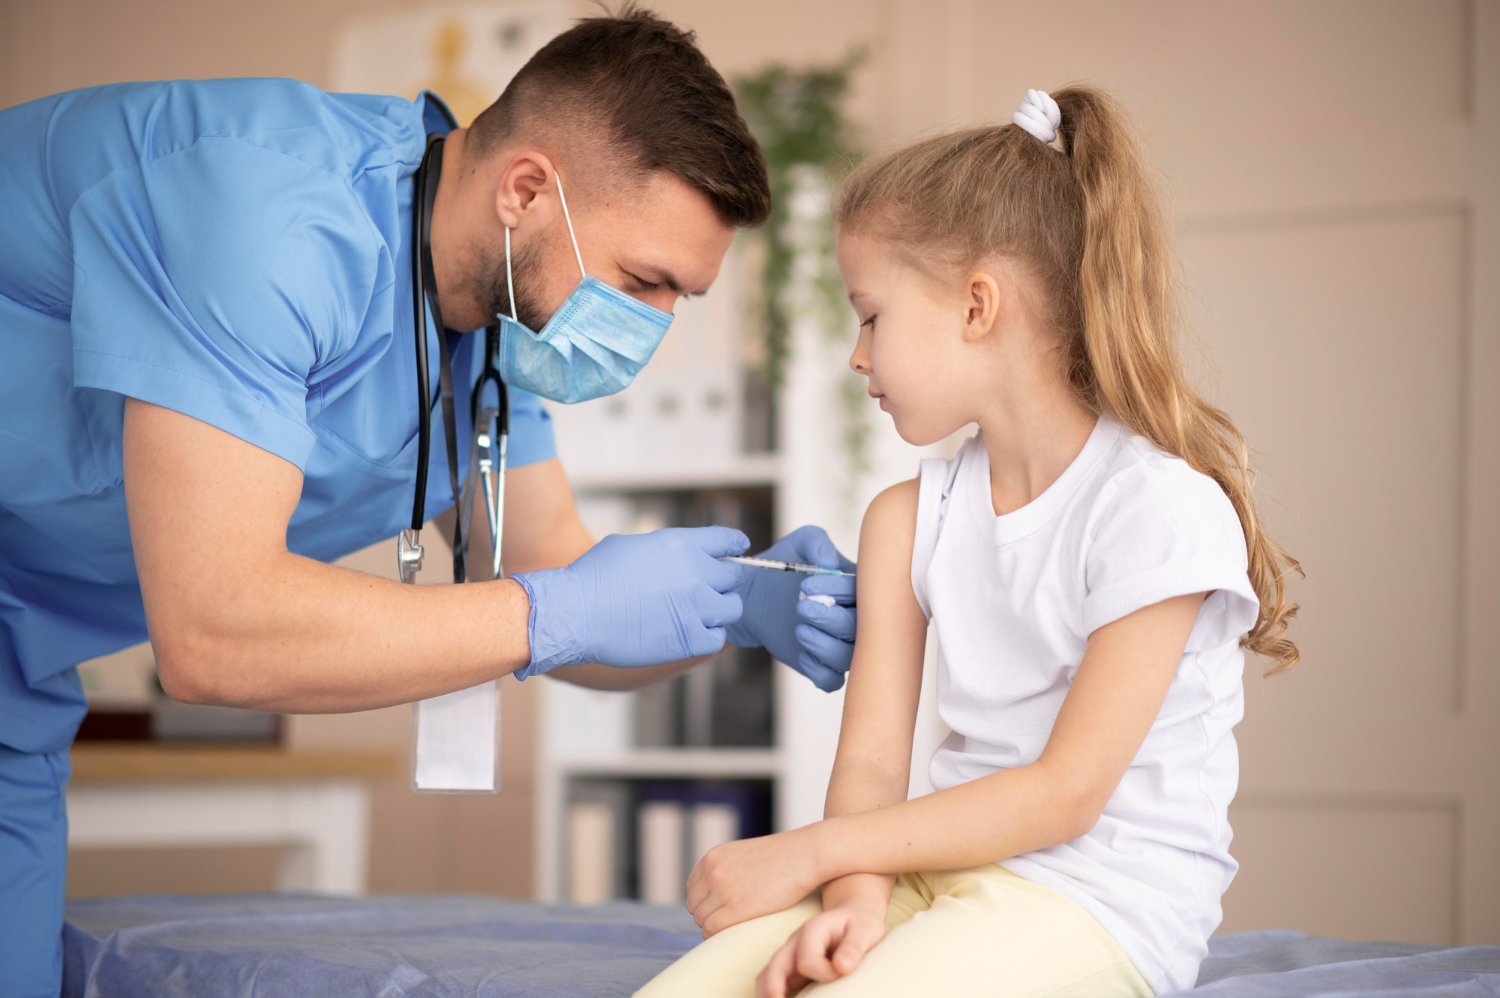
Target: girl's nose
{"points": [[859, 359]]}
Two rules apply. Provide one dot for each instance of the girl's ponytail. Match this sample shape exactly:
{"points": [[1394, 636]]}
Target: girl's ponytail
{"points": [[1087, 229], [1125, 360]]}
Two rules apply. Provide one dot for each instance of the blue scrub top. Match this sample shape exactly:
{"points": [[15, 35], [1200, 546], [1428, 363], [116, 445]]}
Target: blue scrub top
{"points": [[236, 250]]}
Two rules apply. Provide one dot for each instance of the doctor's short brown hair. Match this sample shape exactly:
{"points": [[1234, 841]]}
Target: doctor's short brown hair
{"points": [[644, 83]]}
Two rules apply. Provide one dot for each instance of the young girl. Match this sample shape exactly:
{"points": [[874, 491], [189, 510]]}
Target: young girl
{"points": [[1093, 566]]}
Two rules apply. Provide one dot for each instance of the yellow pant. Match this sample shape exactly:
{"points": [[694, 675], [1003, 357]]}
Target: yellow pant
{"points": [[982, 931]]}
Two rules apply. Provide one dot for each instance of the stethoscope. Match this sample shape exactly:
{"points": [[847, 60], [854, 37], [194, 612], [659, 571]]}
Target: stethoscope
{"points": [[491, 423]]}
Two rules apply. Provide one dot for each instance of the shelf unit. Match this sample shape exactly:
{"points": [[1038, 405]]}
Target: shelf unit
{"points": [[588, 739]]}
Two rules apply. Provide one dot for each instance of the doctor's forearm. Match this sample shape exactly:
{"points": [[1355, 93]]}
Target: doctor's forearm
{"points": [[606, 677], [236, 618], [304, 637]]}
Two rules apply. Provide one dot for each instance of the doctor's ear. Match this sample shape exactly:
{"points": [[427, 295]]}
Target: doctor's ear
{"points": [[525, 176], [982, 304]]}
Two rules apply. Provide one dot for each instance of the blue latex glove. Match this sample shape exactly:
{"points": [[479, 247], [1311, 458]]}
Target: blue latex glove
{"points": [[816, 640], [636, 600]]}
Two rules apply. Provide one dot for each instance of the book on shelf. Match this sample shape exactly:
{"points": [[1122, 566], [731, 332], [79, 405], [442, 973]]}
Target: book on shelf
{"points": [[598, 860], [662, 870], [657, 714], [591, 838], [728, 703]]}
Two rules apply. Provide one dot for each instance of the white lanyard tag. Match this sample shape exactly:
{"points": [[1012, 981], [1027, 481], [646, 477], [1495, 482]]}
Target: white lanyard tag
{"points": [[457, 743]]}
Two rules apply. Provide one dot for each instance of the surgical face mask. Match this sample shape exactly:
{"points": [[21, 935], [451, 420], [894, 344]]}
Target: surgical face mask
{"points": [[594, 344]]}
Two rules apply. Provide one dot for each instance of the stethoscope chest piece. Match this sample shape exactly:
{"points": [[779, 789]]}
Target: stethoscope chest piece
{"points": [[409, 554]]}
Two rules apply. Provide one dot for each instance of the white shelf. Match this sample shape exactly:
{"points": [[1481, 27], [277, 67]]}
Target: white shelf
{"points": [[668, 763], [745, 471]]}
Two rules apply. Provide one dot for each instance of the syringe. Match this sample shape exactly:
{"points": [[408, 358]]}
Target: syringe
{"points": [[785, 566]]}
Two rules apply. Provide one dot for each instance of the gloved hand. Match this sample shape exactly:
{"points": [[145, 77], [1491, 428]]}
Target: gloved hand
{"points": [[814, 639], [634, 600]]}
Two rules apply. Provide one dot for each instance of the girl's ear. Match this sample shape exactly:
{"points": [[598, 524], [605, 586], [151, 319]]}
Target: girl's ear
{"points": [[982, 306]]}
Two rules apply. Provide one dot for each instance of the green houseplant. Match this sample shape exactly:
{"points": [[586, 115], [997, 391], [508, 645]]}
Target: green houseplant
{"points": [[798, 116]]}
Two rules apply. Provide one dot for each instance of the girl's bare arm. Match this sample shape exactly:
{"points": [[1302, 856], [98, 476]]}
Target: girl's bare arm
{"points": [[872, 767]]}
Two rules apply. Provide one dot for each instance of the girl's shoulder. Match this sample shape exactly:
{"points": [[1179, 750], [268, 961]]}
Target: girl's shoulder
{"points": [[1159, 528], [1140, 476], [893, 508], [1149, 509]]}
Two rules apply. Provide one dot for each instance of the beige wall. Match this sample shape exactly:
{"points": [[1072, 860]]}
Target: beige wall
{"points": [[1332, 168]]}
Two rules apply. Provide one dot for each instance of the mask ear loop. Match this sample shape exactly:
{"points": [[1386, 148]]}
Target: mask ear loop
{"points": [[569, 219], [510, 283]]}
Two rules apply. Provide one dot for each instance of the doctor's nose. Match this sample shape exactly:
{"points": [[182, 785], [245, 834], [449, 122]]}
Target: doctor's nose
{"points": [[663, 299]]}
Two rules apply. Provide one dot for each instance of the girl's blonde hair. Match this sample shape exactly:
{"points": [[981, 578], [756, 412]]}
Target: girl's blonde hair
{"points": [[1086, 229]]}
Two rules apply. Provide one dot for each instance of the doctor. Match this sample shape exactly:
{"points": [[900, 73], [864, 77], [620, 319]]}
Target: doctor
{"points": [[208, 391]]}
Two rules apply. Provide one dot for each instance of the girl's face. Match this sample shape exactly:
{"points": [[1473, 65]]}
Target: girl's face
{"points": [[910, 345]]}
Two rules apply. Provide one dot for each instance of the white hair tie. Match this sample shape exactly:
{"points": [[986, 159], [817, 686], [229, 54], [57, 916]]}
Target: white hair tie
{"points": [[1039, 115]]}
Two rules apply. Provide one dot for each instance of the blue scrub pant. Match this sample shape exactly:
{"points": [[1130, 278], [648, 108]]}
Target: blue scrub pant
{"points": [[33, 871]]}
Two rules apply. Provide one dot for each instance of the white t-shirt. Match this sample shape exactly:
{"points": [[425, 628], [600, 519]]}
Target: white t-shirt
{"points": [[1013, 600]]}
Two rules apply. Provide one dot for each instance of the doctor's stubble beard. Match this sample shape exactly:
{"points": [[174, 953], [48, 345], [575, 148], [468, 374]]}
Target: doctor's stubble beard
{"points": [[495, 292]]}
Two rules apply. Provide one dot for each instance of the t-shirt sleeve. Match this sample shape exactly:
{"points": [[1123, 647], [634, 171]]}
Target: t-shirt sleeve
{"points": [[1170, 531], [215, 280], [934, 485]]}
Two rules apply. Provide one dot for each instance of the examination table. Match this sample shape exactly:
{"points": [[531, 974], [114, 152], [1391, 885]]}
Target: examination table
{"points": [[306, 945]]}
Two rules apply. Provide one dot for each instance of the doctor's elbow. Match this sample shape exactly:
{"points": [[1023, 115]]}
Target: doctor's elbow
{"points": [[179, 682], [185, 667]]}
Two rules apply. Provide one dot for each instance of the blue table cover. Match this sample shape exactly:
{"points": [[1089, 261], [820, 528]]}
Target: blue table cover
{"points": [[485, 947]]}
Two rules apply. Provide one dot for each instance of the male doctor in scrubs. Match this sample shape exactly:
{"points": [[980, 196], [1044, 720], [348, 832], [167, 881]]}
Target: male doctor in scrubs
{"points": [[208, 391]]}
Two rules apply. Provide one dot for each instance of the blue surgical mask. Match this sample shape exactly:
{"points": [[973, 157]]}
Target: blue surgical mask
{"points": [[594, 344]]}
